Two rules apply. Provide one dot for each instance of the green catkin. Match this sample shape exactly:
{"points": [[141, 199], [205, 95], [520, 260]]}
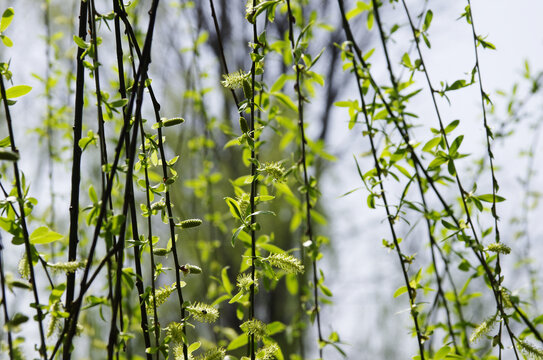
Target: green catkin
{"points": [[178, 353], [499, 248], [254, 327], [190, 223], [274, 170], [530, 350], [162, 295], [24, 268], [484, 328], [234, 80], [213, 354], [69, 267], [55, 323], [286, 262], [203, 312], [175, 331], [268, 352], [161, 251], [172, 121], [244, 282]]}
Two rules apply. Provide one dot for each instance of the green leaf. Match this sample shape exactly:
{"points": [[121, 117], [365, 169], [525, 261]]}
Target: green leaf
{"points": [[401, 290], [452, 126], [238, 342], [279, 83], [427, 20], [44, 235], [6, 40], [81, 43], [17, 91], [234, 207], [430, 145], [7, 17], [226, 281], [275, 327], [489, 198]]}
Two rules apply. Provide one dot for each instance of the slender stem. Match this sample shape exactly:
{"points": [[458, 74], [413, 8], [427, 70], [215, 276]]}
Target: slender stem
{"points": [[20, 200], [76, 169], [303, 160]]}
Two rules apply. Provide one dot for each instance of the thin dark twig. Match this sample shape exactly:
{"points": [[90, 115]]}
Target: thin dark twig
{"points": [[20, 200], [76, 168], [303, 160]]}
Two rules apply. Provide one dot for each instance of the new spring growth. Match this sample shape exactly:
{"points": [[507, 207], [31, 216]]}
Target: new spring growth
{"points": [[213, 354], [161, 251], [244, 282], [484, 328], [162, 295], [190, 269], [24, 268], [274, 170], [499, 248], [286, 262], [189, 223], [255, 327], [203, 312], [165, 122], [268, 352], [175, 332], [530, 350], [234, 80], [69, 267]]}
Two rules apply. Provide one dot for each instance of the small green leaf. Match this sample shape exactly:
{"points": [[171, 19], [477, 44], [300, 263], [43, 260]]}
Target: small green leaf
{"points": [[401, 290], [81, 43], [427, 20], [238, 342], [7, 17], [489, 198], [17, 91], [44, 235], [6, 40]]}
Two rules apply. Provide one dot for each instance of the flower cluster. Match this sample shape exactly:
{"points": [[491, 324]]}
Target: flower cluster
{"points": [[273, 169], [499, 248], [267, 352], [162, 295], [244, 282], [286, 262], [68, 267], [254, 327], [234, 80], [485, 327], [203, 312]]}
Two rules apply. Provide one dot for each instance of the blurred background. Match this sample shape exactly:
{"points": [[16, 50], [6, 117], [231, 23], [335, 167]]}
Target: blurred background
{"points": [[186, 72]]}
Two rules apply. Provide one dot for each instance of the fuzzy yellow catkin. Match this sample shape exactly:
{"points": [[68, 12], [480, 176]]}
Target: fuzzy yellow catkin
{"points": [[484, 328], [203, 312], [255, 327], [267, 352], [530, 350], [286, 262], [213, 354]]}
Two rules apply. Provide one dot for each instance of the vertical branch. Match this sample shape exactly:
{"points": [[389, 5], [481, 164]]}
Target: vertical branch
{"points": [[20, 200], [301, 127], [489, 136], [252, 347], [133, 216], [76, 170]]}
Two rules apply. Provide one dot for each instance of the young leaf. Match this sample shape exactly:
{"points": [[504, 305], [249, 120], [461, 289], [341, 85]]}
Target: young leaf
{"points": [[44, 235], [7, 17]]}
